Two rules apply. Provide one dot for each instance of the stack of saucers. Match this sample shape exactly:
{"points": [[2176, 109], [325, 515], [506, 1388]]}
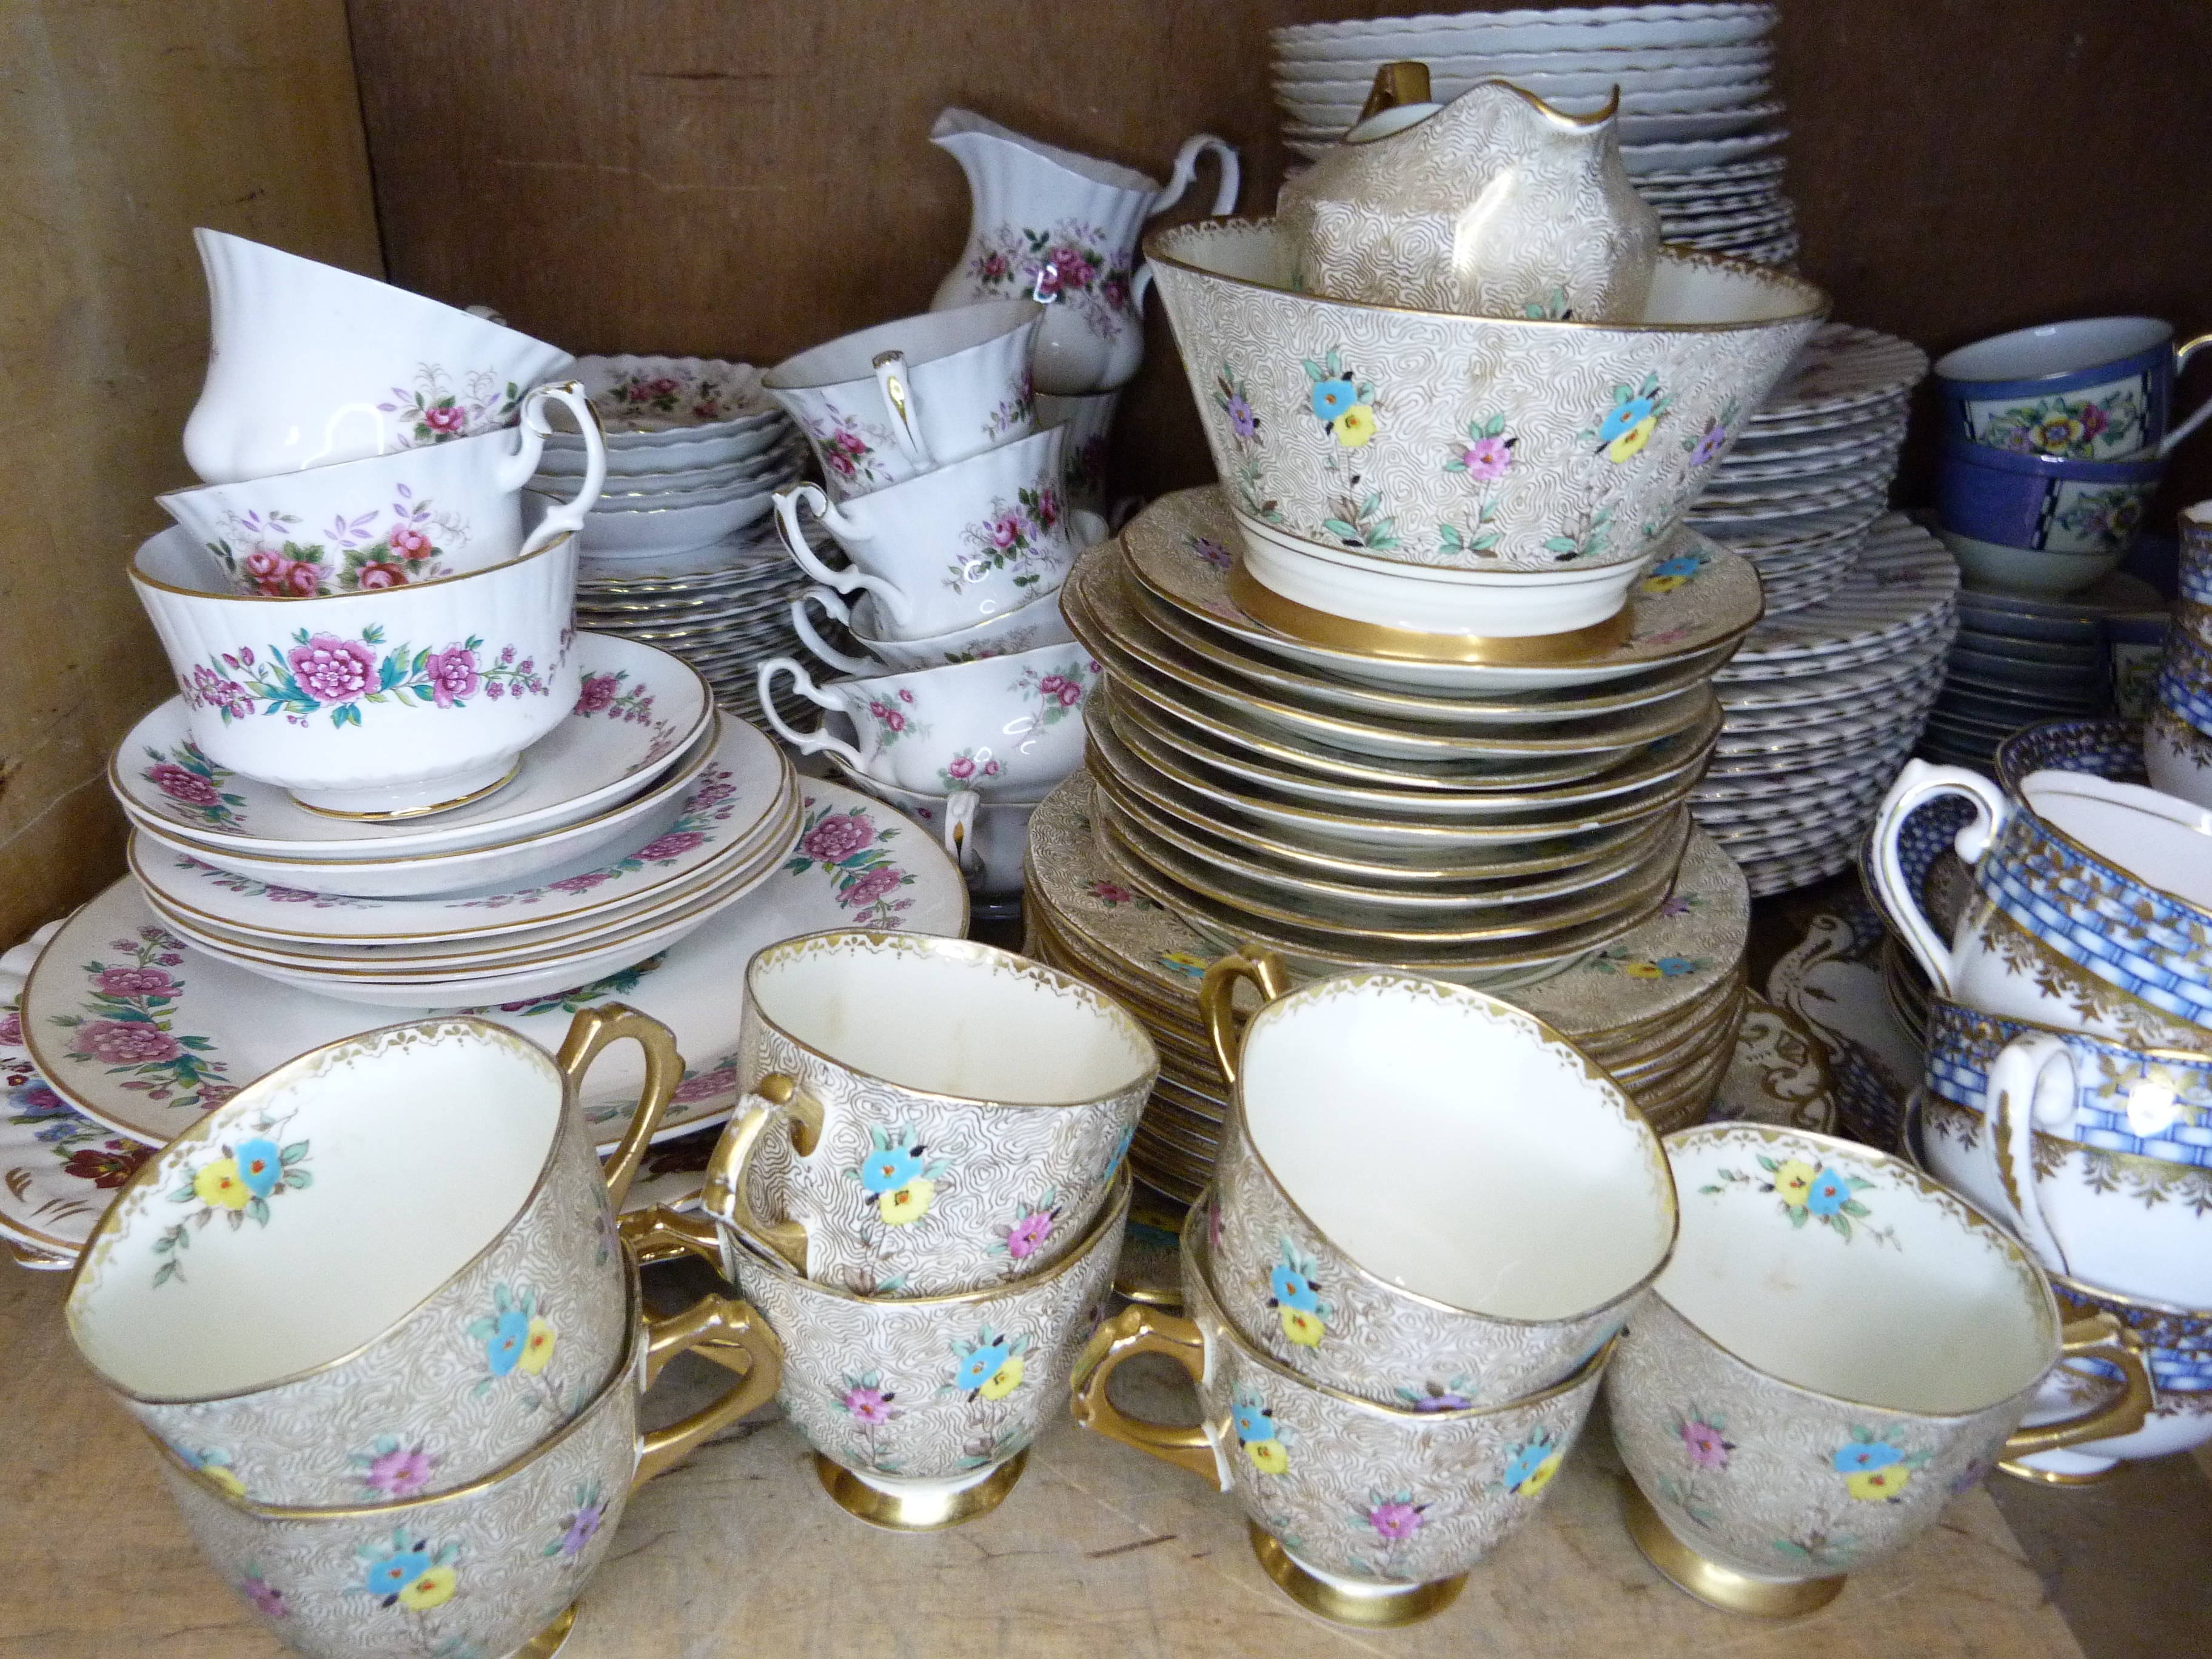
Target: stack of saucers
{"points": [[1696, 122], [1810, 471], [1658, 1006], [644, 817], [696, 450], [1822, 706]]}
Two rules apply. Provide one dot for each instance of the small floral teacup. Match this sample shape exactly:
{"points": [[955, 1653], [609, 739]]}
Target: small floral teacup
{"points": [[1363, 1513], [964, 1111], [380, 1272], [491, 1565], [1839, 1347]]}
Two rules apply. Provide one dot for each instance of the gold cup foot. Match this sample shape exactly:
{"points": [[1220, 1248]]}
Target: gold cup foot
{"points": [[1711, 1582], [2058, 1477], [550, 1640], [918, 1512], [396, 814], [1381, 1608]]}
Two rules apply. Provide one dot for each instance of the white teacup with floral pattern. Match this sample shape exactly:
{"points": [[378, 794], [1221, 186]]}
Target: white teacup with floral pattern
{"points": [[1035, 622], [1365, 1513], [413, 516], [1838, 1348], [495, 1563], [1002, 726], [948, 548], [1424, 1195], [902, 398], [925, 1116], [381, 1271]]}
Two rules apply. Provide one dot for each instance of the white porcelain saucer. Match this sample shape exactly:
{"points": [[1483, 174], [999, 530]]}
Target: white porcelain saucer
{"points": [[1904, 588], [138, 1030]]}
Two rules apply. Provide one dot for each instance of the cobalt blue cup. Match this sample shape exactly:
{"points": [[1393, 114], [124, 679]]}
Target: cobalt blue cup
{"points": [[2043, 502], [2097, 389]]}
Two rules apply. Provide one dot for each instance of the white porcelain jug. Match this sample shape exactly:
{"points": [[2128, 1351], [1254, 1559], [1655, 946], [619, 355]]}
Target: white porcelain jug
{"points": [[1062, 229]]}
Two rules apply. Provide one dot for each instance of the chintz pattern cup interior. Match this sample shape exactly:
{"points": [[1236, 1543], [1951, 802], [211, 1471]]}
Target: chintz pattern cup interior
{"points": [[925, 1117], [307, 1309], [1483, 1221], [487, 1567], [1838, 1348]]}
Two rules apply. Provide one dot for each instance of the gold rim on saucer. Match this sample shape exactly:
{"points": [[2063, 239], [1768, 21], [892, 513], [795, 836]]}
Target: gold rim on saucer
{"points": [[918, 1512], [550, 1640], [1287, 616], [1712, 1583], [1383, 1607], [2059, 1477], [394, 815]]}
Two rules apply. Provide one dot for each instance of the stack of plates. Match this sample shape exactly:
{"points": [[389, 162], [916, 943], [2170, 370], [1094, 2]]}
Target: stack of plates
{"points": [[684, 856], [696, 450], [1810, 472], [1698, 125], [2019, 660], [1486, 825], [1658, 1006], [1823, 705]]}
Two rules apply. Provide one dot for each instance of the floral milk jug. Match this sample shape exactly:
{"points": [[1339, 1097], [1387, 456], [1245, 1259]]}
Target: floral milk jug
{"points": [[1062, 228]]}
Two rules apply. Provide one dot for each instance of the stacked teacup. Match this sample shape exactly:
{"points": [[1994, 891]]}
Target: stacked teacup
{"points": [[945, 496], [1397, 1333], [924, 1190], [427, 1452], [2178, 735], [2068, 1083]]}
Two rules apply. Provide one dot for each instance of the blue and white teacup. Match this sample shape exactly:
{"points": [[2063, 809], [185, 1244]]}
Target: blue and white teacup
{"points": [[2093, 389], [2044, 503], [2177, 1349]]}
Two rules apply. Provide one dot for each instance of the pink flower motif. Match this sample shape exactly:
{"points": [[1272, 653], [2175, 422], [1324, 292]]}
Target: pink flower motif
{"points": [[374, 577], [1047, 507], [1395, 1519], [992, 267], [290, 895], [445, 421], [1112, 892], [706, 1084], [1005, 531], [870, 1405], [582, 883], [878, 883], [599, 690], [1028, 1234], [400, 1472], [1486, 458], [452, 674], [263, 565], [890, 717], [408, 542], [905, 695], [961, 766], [1071, 268], [11, 1028], [1703, 1443], [838, 836], [126, 1042], [674, 844], [268, 1600], [135, 982], [177, 784], [303, 582], [332, 670]]}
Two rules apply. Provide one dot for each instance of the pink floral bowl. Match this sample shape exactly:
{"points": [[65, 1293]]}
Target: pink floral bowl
{"points": [[387, 703]]}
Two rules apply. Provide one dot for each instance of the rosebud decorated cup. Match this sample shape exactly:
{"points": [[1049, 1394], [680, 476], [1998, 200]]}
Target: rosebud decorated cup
{"points": [[1837, 1349], [924, 1116], [383, 1270], [385, 702], [411, 516], [491, 1565], [1008, 725], [1366, 1513], [1471, 1231], [1027, 626]]}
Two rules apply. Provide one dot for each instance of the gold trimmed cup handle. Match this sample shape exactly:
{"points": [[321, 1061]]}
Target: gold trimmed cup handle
{"points": [[1216, 996], [2105, 1338], [776, 1102], [660, 1234], [591, 1031], [732, 1335], [1140, 1329], [2182, 354]]}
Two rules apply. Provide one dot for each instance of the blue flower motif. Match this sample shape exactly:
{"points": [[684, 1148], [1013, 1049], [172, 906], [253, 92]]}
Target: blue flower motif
{"points": [[394, 1573], [1682, 564], [1121, 1151], [1332, 397], [983, 1365], [506, 1341], [1527, 1459], [1675, 966], [1254, 1422], [1861, 1455], [1624, 418], [260, 1166], [1293, 1289], [1828, 1194], [892, 1168]]}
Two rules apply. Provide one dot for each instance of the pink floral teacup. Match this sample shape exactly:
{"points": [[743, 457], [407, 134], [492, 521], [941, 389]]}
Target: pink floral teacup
{"points": [[390, 519], [1005, 726], [924, 1116]]}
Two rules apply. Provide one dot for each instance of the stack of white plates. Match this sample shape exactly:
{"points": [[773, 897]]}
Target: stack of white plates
{"points": [[1810, 472], [1823, 705], [2020, 660], [685, 850], [1697, 124], [696, 451]]}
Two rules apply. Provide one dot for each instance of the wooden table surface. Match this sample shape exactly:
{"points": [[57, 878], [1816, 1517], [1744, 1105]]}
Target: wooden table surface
{"points": [[1100, 1552]]}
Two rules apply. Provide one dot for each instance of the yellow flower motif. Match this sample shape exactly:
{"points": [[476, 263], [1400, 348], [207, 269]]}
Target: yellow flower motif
{"points": [[1630, 444], [433, 1589], [909, 1203], [1541, 1476], [1301, 1326], [1793, 1181], [536, 1348], [1355, 427], [1641, 971], [1004, 1380], [1662, 584], [1268, 1456], [223, 1479], [1874, 1486], [219, 1184]]}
